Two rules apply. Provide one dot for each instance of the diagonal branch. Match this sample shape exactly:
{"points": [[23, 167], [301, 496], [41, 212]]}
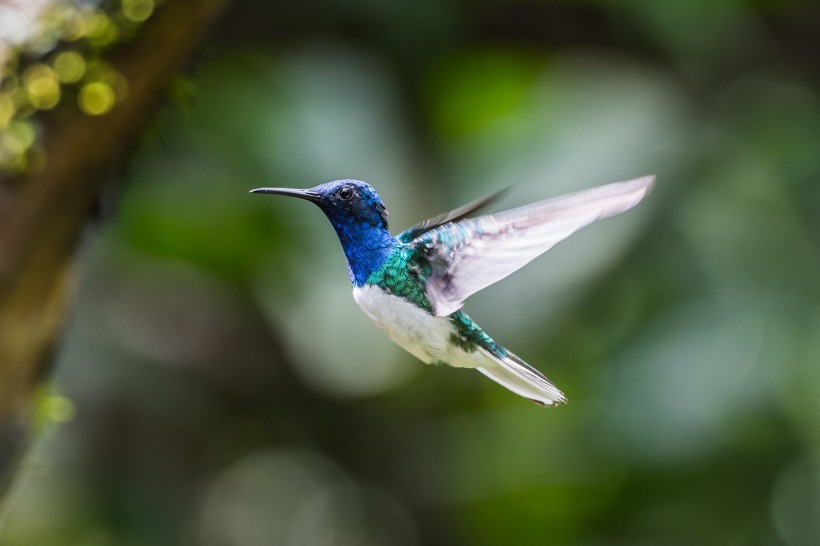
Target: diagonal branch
{"points": [[43, 215]]}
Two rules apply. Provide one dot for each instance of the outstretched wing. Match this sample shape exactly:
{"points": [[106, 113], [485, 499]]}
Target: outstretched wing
{"points": [[453, 216], [469, 255]]}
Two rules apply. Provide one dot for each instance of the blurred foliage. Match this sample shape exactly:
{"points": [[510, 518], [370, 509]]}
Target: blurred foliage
{"points": [[59, 65], [227, 391]]}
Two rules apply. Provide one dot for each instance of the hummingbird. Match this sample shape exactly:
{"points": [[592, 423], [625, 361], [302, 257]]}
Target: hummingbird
{"points": [[413, 285]]}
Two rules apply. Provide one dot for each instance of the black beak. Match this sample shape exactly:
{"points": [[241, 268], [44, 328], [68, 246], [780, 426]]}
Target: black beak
{"points": [[301, 194]]}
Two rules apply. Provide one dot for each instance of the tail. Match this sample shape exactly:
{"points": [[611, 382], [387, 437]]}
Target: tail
{"points": [[516, 375]]}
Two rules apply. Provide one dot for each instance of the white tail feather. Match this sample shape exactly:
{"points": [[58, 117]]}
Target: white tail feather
{"points": [[522, 379]]}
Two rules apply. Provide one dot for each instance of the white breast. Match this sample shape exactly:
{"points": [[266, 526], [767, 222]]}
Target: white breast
{"points": [[415, 330]]}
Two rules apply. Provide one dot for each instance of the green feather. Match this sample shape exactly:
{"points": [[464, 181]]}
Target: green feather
{"points": [[403, 276]]}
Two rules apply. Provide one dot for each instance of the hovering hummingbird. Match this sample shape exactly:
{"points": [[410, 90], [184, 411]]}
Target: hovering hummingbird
{"points": [[414, 285]]}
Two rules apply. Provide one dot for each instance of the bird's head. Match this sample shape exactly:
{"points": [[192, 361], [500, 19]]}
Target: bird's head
{"points": [[350, 205], [359, 218]]}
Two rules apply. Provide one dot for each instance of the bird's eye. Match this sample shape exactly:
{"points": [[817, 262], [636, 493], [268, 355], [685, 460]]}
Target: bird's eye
{"points": [[346, 193]]}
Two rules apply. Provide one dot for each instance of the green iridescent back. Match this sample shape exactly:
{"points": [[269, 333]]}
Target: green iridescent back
{"points": [[402, 275]]}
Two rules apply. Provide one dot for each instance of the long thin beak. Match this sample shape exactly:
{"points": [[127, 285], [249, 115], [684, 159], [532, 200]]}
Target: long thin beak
{"points": [[301, 194]]}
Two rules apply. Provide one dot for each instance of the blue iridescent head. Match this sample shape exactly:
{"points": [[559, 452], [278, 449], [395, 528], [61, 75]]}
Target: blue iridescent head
{"points": [[359, 217]]}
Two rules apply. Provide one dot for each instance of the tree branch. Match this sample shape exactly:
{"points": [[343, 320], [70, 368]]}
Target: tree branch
{"points": [[43, 215]]}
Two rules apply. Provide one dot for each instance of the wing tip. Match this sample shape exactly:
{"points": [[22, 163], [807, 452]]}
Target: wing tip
{"points": [[625, 194], [642, 183]]}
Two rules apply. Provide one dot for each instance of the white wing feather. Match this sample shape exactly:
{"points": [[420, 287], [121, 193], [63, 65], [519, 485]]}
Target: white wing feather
{"points": [[472, 254]]}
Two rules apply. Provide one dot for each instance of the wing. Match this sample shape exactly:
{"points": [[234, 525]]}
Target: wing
{"points": [[466, 256], [453, 216]]}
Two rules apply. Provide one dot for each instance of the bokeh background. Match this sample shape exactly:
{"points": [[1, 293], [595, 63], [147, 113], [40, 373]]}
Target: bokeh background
{"points": [[225, 389]]}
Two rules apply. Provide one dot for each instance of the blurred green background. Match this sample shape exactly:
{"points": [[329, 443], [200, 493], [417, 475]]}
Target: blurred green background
{"points": [[227, 391]]}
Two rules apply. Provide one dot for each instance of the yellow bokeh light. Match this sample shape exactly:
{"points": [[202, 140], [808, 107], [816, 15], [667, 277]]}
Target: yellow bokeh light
{"points": [[76, 23], [42, 86], [36, 72], [100, 71], [96, 98], [69, 66], [102, 31], [17, 137], [137, 10]]}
